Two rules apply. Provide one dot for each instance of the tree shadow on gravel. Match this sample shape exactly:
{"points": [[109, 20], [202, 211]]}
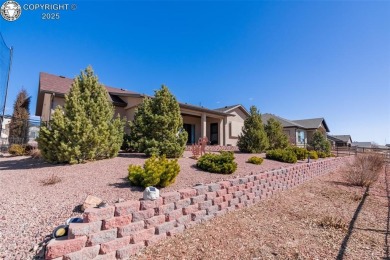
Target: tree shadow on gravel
{"points": [[125, 184], [133, 155], [346, 184], [25, 163], [351, 226], [197, 169]]}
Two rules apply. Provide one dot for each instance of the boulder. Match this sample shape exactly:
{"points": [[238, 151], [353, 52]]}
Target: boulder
{"points": [[91, 202]]}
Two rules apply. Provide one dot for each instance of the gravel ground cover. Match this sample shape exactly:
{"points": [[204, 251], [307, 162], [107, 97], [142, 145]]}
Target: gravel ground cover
{"points": [[310, 221], [30, 210]]}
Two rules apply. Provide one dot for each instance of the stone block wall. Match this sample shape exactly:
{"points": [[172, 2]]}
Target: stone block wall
{"points": [[122, 230]]}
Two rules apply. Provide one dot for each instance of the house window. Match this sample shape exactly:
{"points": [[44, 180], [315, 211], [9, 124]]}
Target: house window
{"points": [[300, 136]]}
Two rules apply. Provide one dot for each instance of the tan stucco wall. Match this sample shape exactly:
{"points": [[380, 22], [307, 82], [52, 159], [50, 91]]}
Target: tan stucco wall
{"points": [[290, 132], [121, 111], [234, 126], [132, 103], [58, 101], [310, 133]]}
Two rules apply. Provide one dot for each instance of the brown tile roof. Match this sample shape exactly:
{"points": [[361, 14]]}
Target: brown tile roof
{"points": [[61, 85]]}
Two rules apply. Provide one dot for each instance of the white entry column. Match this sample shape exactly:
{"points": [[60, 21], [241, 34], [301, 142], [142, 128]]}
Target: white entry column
{"points": [[221, 133], [203, 125]]}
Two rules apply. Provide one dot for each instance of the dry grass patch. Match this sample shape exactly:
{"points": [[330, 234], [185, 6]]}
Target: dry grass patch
{"points": [[356, 197], [332, 222], [35, 153], [364, 169], [53, 179]]}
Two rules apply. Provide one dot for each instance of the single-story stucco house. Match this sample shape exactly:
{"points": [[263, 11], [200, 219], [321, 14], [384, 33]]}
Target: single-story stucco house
{"points": [[221, 126], [301, 131], [341, 140]]}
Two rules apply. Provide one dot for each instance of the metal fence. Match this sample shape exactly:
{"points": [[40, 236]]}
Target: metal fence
{"points": [[355, 150]]}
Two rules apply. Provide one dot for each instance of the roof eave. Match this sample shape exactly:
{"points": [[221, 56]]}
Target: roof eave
{"points": [[204, 110]]}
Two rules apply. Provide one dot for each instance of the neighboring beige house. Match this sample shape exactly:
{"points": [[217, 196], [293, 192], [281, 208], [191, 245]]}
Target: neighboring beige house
{"points": [[33, 132], [221, 126], [300, 132], [5, 127]]}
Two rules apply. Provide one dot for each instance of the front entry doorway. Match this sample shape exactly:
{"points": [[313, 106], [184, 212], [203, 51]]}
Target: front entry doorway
{"points": [[191, 133], [213, 133]]}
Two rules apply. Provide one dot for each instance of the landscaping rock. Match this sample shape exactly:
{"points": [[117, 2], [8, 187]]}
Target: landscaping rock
{"points": [[91, 202]]}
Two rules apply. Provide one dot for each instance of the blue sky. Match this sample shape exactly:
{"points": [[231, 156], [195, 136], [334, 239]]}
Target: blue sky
{"points": [[297, 60]]}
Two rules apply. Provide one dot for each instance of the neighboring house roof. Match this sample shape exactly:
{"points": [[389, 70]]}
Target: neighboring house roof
{"points": [[283, 121], [313, 123], [368, 145], [228, 109], [362, 144], [340, 138]]}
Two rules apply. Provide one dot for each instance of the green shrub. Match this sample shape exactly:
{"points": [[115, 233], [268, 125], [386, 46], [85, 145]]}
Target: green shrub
{"points": [[253, 138], [282, 155], [313, 155], [157, 171], [157, 128], [276, 137], [255, 160], [301, 153], [319, 142], [85, 128], [322, 154], [217, 163], [17, 149], [128, 144]]}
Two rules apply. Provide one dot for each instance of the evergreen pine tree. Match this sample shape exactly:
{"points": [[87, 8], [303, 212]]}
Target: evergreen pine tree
{"points": [[276, 138], [18, 128], [319, 143], [253, 138], [157, 128], [85, 129]]}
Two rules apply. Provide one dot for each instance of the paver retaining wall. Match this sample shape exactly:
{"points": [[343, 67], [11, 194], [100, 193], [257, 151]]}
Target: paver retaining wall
{"points": [[122, 230]]}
